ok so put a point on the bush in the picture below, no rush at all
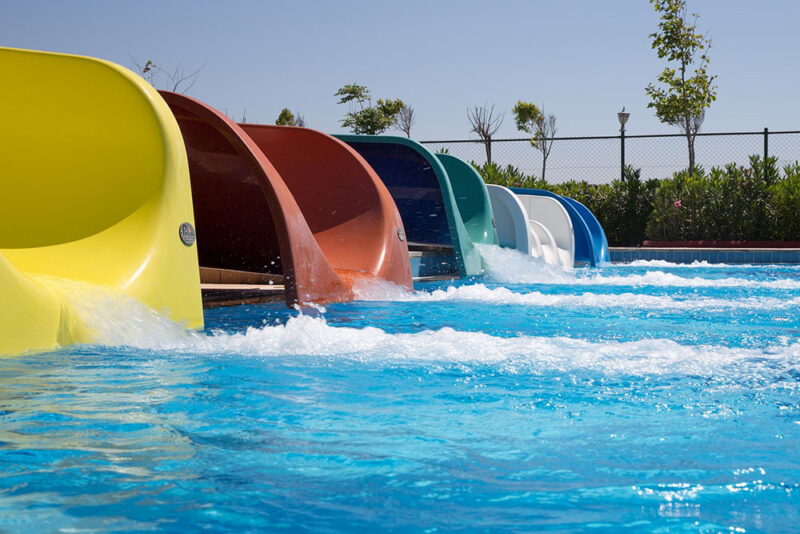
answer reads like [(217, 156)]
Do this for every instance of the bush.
[(784, 201), (731, 203), (508, 176), (630, 208)]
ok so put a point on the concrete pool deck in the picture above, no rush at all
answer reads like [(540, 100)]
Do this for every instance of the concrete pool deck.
[(708, 254)]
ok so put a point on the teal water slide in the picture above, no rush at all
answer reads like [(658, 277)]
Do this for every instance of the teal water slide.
[(472, 199), (442, 201)]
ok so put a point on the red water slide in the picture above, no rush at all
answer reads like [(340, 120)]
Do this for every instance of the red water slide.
[(279, 201)]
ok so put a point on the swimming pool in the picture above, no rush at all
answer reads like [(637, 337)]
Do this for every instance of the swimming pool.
[(648, 396)]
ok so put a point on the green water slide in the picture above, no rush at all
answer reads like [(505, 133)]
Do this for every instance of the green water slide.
[(421, 189), (472, 199)]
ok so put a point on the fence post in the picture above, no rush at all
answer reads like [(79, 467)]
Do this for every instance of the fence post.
[(766, 149), (622, 154)]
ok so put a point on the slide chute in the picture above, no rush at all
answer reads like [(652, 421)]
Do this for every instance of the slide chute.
[(95, 192), (288, 204), (419, 185)]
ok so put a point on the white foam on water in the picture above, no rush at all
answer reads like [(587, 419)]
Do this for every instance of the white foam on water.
[(510, 266), (705, 265), (313, 336), (116, 320), (507, 266), (375, 289), (662, 279), (122, 321), (504, 296), (105, 317), (669, 264)]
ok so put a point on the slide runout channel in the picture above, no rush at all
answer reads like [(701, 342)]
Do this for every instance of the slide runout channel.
[(550, 214), (518, 229), (585, 247)]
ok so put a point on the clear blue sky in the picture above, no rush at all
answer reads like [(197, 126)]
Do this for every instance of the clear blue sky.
[(582, 60)]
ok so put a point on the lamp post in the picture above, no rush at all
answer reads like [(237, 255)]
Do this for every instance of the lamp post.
[(623, 118)]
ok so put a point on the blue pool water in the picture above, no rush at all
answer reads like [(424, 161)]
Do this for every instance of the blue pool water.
[(642, 397)]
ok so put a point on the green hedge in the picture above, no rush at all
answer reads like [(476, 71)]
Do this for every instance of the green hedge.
[(757, 202)]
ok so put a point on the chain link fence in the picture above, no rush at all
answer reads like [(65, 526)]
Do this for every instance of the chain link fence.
[(599, 159)]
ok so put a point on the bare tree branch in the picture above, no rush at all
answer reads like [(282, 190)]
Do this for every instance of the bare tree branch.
[(485, 124), (178, 80), (546, 131), (405, 120), (148, 71), (483, 121), (179, 76)]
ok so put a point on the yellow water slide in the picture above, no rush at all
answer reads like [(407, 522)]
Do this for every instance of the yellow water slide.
[(94, 192)]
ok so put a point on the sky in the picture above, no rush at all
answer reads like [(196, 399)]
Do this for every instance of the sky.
[(580, 60)]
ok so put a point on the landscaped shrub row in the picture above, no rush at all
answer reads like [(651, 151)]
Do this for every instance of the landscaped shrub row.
[(733, 203)]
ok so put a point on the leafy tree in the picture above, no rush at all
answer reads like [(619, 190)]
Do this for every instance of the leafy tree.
[(529, 118), (363, 117), (485, 124), (683, 97), (287, 118)]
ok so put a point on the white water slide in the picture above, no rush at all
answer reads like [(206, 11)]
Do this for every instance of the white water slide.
[(535, 225)]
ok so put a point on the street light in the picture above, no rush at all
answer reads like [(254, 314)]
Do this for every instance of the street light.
[(623, 118)]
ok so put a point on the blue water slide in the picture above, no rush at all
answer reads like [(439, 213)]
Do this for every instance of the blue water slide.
[(599, 241), (591, 245)]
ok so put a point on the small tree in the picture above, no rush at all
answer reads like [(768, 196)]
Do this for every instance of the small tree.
[(363, 117), (682, 98), (405, 120), (485, 124), (542, 127), (287, 118)]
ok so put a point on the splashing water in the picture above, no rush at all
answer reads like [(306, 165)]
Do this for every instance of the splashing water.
[(116, 319), (503, 296), (103, 316), (374, 289), (662, 279), (507, 266), (706, 265), (314, 337)]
